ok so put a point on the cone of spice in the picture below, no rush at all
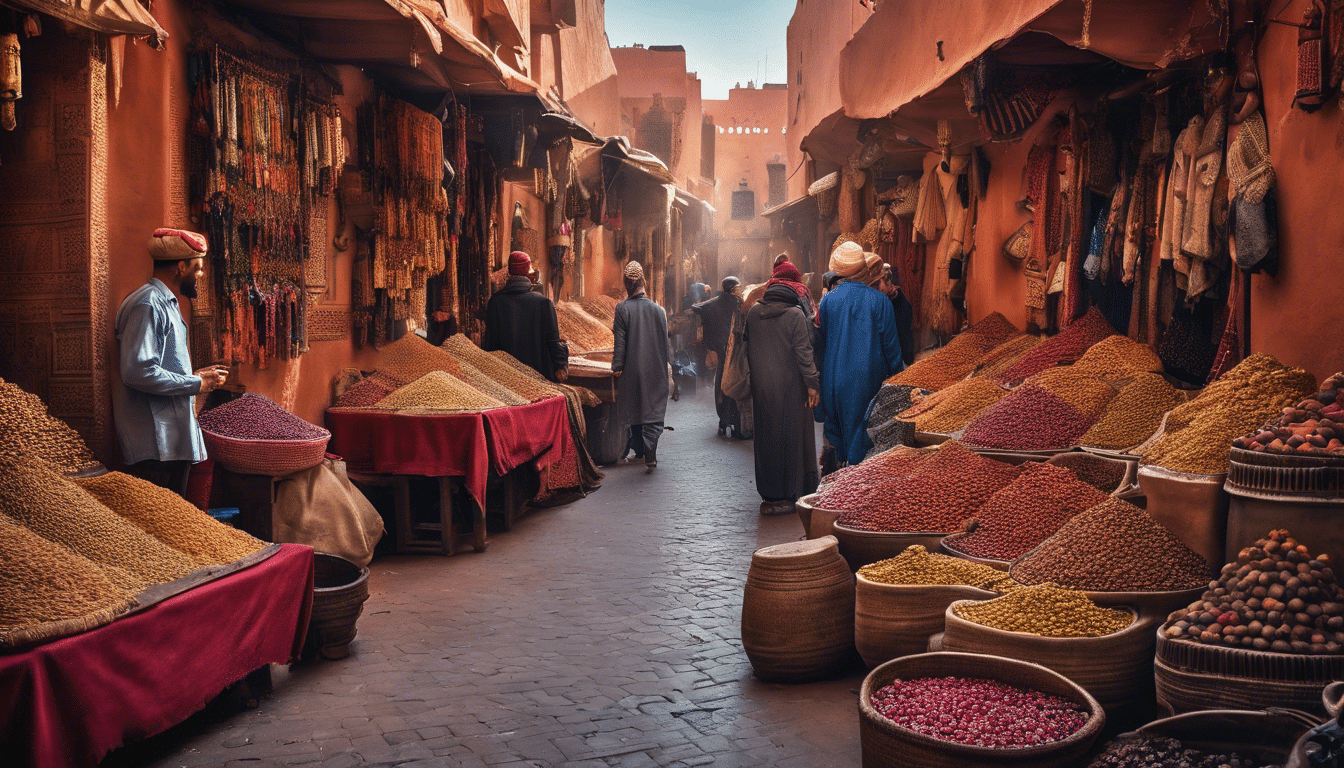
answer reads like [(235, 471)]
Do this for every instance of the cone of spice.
[(1118, 356), (1006, 355), (953, 408), (959, 357), (1025, 512), (438, 391), (1064, 347), (1047, 611), (1089, 393), (31, 432), (584, 332), (411, 357), (1030, 418), (916, 566), (1134, 414)]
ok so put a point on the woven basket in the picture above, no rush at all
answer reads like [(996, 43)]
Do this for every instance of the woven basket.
[(826, 190), (1123, 684), (276, 458), (893, 620), (886, 744), (1275, 474), (1193, 676), (859, 548), (817, 522), (1268, 736)]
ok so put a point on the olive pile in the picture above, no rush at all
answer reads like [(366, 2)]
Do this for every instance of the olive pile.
[(1316, 425), (1139, 751), (1275, 597)]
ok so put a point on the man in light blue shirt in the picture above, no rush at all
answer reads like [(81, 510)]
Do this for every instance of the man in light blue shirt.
[(154, 404)]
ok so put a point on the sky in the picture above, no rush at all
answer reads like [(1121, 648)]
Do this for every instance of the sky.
[(726, 41)]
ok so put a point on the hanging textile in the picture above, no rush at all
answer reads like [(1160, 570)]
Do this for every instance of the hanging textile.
[(1039, 181), (1198, 240), (1313, 60), (930, 215), (1182, 161), (1255, 229)]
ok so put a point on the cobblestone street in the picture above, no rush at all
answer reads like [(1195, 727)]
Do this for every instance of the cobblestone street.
[(605, 633)]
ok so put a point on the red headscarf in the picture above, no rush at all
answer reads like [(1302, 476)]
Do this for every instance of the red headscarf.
[(787, 274)]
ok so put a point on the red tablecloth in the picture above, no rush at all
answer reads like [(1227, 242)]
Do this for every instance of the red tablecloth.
[(522, 433), (73, 700)]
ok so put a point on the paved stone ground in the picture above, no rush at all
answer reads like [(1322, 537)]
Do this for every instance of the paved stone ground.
[(605, 633)]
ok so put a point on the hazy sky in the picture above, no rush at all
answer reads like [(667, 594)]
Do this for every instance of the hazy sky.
[(726, 41)]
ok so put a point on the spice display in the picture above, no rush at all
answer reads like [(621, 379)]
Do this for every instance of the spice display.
[(439, 391), (411, 357), (959, 358), (1028, 419), (363, 394), (29, 431), (889, 402), (1134, 750), (1068, 345), (1103, 474), (1113, 547), (60, 511), (584, 332), (856, 478), (979, 712), (601, 307), (1315, 425), (1026, 512), (1118, 356), (953, 408), (1006, 355), (1275, 597), (1087, 392), (1134, 414), (917, 567), (474, 377), (171, 519), (41, 582), (1046, 610), (257, 417), (585, 396), (529, 388), (937, 496), (1199, 433)]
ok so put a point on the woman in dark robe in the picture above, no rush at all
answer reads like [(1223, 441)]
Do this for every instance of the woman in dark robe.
[(785, 387)]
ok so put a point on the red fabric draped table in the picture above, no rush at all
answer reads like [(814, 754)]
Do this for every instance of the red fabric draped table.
[(71, 701)]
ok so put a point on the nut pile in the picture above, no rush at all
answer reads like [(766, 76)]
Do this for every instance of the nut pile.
[(1066, 346), (979, 712), (1275, 597), (937, 496), (41, 581), (528, 387), (1140, 751), (1101, 473), (1117, 356), (1047, 611), (1028, 419), (411, 357), (171, 519), (953, 408), (1134, 414), (1113, 547), (30, 432), (482, 383), (601, 307), (1315, 425), (959, 358), (1084, 391), (1026, 512), (363, 394), (917, 567), (1200, 432), (584, 332), (439, 391), (1006, 355), (60, 511), (257, 417)]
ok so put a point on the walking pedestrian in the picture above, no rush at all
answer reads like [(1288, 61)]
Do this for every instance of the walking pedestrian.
[(523, 323), (641, 364), (858, 347), (786, 274), (716, 316), (785, 387)]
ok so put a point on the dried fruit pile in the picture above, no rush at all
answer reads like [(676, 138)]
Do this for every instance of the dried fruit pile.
[(1275, 597), (1028, 419), (257, 417), (1006, 355), (1066, 346), (30, 431), (482, 383), (953, 408), (960, 357), (1047, 611), (916, 567), (1113, 547), (1134, 414), (937, 496), (979, 712), (1134, 750), (1316, 425), (1025, 512), (1103, 474), (171, 519), (1088, 393), (411, 357), (1117, 356), (584, 332), (1199, 433), (363, 394), (530, 388), (439, 391)]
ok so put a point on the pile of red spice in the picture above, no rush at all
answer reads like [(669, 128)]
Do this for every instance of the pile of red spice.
[(1028, 419), (1026, 512), (1068, 345), (256, 417)]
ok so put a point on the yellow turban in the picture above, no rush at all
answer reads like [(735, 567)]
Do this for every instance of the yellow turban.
[(167, 244)]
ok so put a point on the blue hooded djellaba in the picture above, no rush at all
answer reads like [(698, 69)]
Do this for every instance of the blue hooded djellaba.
[(859, 348)]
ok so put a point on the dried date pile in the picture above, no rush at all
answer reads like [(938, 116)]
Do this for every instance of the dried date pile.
[(1025, 512), (1140, 751), (960, 357), (937, 496), (1066, 346), (1113, 547), (1275, 597), (257, 417), (979, 712), (1315, 425), (1030, 418)]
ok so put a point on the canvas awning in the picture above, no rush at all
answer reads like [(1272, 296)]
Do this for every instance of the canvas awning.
[(909, 48), (113, 17), (805, 205)]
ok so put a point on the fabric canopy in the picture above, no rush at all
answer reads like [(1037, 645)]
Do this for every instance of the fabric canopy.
[(911, 47), (113, 17)]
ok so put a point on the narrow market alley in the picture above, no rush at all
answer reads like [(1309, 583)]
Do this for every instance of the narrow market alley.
[(604, 633)]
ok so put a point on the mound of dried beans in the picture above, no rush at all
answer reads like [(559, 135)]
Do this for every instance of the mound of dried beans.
[(257, 417), (979, 712), (1030, 418), (1026, 512)]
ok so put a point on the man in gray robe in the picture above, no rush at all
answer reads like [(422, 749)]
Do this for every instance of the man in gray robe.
[(641, 364), (785, 387)]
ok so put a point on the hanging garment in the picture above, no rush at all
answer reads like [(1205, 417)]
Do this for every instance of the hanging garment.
[(930, 215), (1255, 221), (1040, 167), (943, 315), (1182, 160), (1198, 240)]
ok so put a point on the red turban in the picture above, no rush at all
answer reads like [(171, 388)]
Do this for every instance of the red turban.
[(519, 263)]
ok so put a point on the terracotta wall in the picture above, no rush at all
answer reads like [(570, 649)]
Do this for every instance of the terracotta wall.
[(587, 70), (643, 72)]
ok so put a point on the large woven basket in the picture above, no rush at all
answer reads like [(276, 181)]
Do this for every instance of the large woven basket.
[(893, 620), (859, 548), (1268, 736), (276, 458), (886, 744), (1193, 676)]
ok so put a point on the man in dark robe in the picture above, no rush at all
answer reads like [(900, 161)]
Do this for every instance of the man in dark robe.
[(716, 316), (523, 323), (785, 387), (785, 273), (641, 363)]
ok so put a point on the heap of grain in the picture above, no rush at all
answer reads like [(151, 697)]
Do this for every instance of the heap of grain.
[(482, 383), (1047, 611), (31, 432), (530, 388), (363, 394), (916, 566), (1199, 433), (1006, 355), (1025, 512), (1067, 346), (601, 307), (1087, 392), (1118, 356), (171, 519), (1134, 414), (1030, 418), (584, 332), (438, 392), (411, 357), (959, 358), (584, 395), (953, 408), (1099, 472), (1314, 426)]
